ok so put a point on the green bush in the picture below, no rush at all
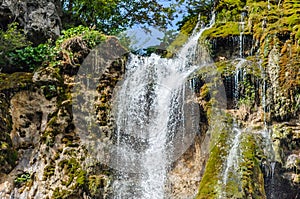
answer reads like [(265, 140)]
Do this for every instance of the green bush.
[(90, 36), (12, 43), (30, 58), (10, 40)]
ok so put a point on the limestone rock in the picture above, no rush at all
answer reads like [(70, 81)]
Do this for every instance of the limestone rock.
[(40, 19)]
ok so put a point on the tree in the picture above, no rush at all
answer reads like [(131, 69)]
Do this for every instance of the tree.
[(113, 16), (194, 8), (10, 40)]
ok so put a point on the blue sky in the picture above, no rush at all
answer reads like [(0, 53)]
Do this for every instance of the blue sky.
[(143, 39)]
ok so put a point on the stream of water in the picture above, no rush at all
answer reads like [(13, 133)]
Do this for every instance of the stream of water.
[(154, 121), (233, 159)]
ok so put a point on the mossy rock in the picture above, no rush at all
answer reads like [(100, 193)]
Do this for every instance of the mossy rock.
[(182, 37), (74, 171), (209, 185), (97, 185), (15, 81), (8, 155), (252, 176)]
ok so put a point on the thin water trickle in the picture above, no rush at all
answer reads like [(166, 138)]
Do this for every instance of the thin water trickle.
[(238, 78), (152, 124), (266, 132), (233, 158), (241, 39)]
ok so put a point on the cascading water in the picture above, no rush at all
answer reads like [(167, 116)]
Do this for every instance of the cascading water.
[(238, 69), (234, 155), (238, 78), (241, 39), (154, 121), (233, 160), (266, 134)]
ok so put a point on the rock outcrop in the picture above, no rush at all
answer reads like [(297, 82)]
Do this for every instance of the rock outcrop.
[(40, 19), (255, 48), (43, 154)]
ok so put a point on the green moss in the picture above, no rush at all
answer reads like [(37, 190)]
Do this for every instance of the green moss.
[(49, 171), (74, 172), (222, 30), (60, 194), (252, 176), (96, 184), (182, 37), (15, 81), (248, 181), (48, 137), (8, 154), (209, 185)]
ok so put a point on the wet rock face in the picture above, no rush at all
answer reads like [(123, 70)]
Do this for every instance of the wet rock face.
[(185, 176), (40, 19), (286, 180)]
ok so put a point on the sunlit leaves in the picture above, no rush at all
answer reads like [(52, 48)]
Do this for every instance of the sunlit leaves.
[(114, 16)]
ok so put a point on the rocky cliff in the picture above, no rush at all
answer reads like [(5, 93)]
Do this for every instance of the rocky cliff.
[(255, 46), (42, 154)]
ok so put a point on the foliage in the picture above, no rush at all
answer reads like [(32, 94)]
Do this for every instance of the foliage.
[(113, 16), (182, 37), (90, 36), (10, 40), (30, 58), (202, 8)]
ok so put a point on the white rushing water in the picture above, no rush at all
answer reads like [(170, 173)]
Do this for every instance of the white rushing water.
[(153, 120)]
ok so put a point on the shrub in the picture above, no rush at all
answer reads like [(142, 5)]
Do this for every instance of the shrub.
[(10, 40), (30, 58), (90, 36)]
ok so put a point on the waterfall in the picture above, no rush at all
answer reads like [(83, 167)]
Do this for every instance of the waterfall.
[(241, 39), (155, 120), (238, 68), (232, 161), (238, 78), (266, 132), (263, 93), (234, 157)]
